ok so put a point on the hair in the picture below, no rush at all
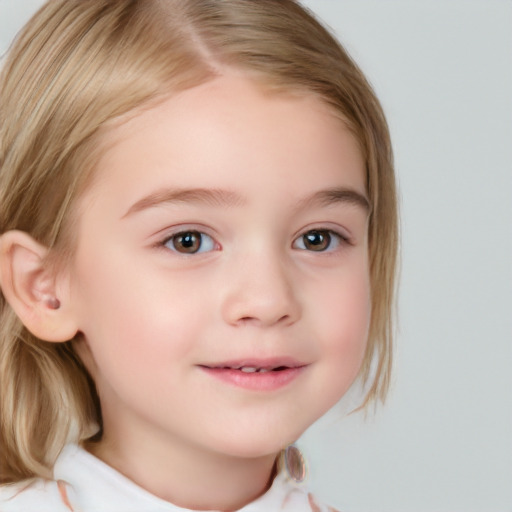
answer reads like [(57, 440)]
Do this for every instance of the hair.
[(75, 68)]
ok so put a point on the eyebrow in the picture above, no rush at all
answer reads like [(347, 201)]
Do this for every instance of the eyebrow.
[(212, 197), (336, 195), (229, 198)]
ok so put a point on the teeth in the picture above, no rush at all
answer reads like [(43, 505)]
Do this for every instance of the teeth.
[(252, 369)]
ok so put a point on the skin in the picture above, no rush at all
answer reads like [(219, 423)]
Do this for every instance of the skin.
[(153, 317)]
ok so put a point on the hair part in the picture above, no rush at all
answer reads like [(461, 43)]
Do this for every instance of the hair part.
[(76, 68)]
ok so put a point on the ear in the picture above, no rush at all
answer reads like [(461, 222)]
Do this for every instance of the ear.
[(38, 296)]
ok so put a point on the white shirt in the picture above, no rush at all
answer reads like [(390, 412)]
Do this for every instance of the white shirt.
[(83, 483)]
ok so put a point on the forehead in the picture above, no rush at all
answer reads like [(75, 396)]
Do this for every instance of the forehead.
[(230, 132)]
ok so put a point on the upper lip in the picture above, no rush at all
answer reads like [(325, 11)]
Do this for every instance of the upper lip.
[(266, 363)]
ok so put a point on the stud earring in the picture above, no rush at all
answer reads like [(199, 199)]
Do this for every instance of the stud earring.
[(52, 302)]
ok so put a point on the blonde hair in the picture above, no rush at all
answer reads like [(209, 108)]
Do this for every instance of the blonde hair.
[(80, 64)]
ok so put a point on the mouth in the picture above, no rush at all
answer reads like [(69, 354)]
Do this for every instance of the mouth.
[(260, 375), (275, 364), (250, 369)]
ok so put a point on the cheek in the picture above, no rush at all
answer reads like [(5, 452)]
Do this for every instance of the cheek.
[(129, 313), (343, 315), (127, 303)]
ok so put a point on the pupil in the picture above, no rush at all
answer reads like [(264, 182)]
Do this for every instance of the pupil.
[(188, 242), (317, 240)]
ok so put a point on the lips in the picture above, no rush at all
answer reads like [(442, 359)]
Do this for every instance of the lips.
[(252, 368), (260, 375), (258, 365)]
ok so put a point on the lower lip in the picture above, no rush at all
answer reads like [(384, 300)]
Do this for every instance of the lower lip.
[(256, 381)]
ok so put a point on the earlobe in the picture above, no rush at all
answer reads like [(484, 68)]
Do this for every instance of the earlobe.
[(33, 290)]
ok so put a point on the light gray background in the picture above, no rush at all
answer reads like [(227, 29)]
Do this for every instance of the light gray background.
[(443, 441)]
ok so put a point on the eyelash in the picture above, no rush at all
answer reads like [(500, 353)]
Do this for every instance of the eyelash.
[(325, 238)]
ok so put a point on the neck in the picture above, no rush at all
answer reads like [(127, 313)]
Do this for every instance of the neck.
[(189, 476)]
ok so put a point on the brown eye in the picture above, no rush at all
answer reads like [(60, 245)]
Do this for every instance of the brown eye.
[(190, 242), (316, 240), (319, 240)]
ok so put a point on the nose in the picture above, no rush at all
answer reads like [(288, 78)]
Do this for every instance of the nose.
[(259, 291)]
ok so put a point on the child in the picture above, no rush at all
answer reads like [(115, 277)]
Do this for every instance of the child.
[(198, 237)]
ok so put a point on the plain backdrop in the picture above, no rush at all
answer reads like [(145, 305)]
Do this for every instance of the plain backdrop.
[(443, 440)]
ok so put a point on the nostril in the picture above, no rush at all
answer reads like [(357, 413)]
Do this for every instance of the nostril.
[(246, 320), (252, 319), (284, 319)]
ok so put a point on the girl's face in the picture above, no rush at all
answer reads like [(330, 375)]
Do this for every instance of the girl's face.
[(221, 272)]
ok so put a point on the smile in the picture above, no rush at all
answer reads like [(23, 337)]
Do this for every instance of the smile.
[(256, 375), (253, 369)]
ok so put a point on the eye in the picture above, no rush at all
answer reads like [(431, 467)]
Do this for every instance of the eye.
[(318, 240), (190, 242)]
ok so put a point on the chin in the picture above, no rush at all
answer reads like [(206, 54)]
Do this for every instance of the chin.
[(258, 444)]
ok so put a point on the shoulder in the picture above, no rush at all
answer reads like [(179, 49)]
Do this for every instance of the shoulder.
[(37, 495)]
